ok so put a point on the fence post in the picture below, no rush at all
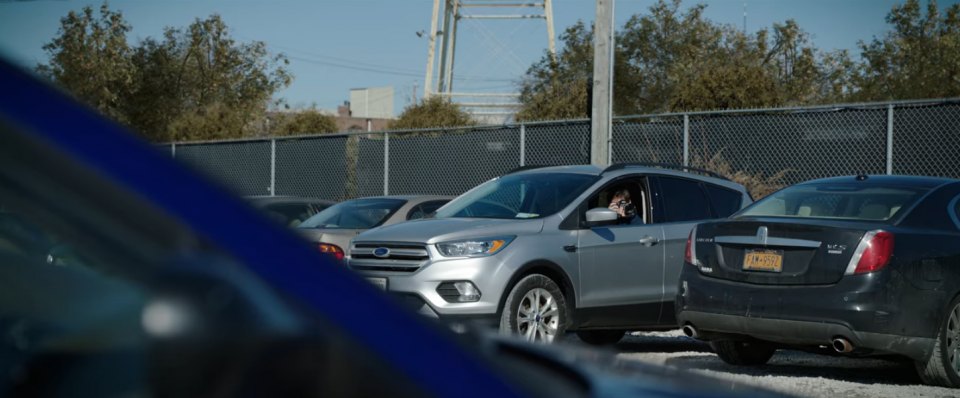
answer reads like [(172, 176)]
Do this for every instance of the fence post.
[(686, 139), (889, 139), (386, 164), (523, 144), (273, 167)]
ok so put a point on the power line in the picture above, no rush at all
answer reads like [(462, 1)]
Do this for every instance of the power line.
[(353, 64), (373, 69)]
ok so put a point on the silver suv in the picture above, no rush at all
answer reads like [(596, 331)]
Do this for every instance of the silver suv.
[(541, 251)]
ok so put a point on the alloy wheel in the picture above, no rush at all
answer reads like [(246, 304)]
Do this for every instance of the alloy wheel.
[(953, 339), (538, 316)]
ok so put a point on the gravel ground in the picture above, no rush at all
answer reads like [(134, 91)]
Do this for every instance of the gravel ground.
[(791, 372)]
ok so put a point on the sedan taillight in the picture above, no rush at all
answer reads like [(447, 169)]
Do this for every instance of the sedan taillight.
[(690, 253), (331, 250), (872, 254)]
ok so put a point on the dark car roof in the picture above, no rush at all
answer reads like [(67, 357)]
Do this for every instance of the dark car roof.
[(881, 180)]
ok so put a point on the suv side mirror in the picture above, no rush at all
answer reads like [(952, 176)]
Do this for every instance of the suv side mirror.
[(601, 216)]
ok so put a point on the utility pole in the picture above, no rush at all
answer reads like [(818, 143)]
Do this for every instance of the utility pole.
[(427, 89), (744, 17), (551, 36), (602, 112)]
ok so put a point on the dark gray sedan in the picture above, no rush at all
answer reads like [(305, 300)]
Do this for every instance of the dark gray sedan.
[(867, 265)]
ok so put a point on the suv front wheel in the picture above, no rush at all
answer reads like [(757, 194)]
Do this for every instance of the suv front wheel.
[(535, 309)]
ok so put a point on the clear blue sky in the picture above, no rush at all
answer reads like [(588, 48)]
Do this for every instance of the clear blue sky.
[(336, 45)]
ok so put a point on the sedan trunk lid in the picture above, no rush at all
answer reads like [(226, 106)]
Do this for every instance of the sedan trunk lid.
[(772, 251)]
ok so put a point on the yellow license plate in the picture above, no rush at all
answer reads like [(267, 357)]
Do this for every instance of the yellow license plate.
[(763, 260)]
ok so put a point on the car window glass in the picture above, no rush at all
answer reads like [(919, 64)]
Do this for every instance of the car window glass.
[(291, 214), (355, 214), (425, 209), (77, 257), (725, 201), (519, 196), (102, 295), (831, 200), (683, 200), (416, 212), (432, 206)]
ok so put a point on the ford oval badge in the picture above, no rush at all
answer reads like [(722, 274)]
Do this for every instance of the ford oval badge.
[(381, 252)]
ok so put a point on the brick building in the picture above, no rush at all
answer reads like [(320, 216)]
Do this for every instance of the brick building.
[(347, 122)]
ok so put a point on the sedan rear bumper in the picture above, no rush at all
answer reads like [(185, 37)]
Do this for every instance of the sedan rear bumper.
[(804, 333), (867, 310)]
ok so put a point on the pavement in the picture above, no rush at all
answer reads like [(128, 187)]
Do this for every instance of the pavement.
[(794, 373)]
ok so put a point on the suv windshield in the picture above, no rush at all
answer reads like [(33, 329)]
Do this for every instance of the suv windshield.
[(354, 214), (525, 195), (843, 201)]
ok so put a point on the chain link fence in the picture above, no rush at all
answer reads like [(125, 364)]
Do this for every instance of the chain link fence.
[(916, 137)]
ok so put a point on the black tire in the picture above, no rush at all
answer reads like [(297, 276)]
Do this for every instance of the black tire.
[(744, 353), (520, 317), (938, 369), (601, 337)]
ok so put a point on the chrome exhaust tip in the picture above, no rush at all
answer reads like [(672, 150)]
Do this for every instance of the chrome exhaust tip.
[(842, 345), (690, 331)]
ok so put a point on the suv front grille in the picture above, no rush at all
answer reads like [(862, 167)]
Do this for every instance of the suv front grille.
[(398, 257)]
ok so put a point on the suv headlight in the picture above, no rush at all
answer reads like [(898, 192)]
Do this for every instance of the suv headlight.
[(474, 247)]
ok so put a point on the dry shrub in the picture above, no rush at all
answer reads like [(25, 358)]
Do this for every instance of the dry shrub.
[(757, 184)]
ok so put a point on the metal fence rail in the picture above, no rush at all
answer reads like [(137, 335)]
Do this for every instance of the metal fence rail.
[(906, 137)]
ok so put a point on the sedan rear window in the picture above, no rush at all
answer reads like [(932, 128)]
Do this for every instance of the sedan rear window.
[(841, 201), (355, 214)]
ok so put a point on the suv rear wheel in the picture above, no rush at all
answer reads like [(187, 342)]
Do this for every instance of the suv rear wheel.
[(747, 353), (535, 309), (601, 337)]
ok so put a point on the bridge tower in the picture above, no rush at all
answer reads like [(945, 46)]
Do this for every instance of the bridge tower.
[(486, 106)]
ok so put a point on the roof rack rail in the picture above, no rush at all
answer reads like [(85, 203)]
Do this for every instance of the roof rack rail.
[(524, 168), (619, 166)]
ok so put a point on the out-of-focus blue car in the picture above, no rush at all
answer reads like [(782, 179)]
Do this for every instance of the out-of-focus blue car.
[(122, 274)]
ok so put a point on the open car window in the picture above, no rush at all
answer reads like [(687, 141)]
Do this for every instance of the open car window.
[(635, 204)]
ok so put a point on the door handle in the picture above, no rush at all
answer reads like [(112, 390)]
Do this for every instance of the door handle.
[(570, 248), (648, 240)]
